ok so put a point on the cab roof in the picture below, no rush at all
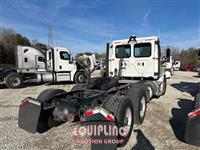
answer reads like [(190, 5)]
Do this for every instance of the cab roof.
[(139, 39)]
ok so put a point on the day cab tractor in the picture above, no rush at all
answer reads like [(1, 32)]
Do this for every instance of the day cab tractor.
[(133, 76)]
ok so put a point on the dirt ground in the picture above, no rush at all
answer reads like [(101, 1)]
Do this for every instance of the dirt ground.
[(163, 127)]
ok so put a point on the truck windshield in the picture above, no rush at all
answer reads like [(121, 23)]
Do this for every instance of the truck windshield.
[(123, 51)]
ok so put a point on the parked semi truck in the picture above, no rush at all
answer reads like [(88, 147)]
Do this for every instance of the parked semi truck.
[(177, 65), (133, 76), (54, 65), (168, 64)]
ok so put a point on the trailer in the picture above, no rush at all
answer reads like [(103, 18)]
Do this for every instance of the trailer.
[(133, 76), (54, 65)]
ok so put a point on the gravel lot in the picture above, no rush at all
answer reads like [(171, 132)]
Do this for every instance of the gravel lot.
[(163, 127)]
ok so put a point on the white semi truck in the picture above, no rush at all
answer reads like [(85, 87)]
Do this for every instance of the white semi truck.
[(54, 65), (168, 64), (133, 76), (177, 65)]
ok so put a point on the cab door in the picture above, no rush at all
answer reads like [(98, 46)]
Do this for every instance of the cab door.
[(49, 60), (62, 61), (40, 63)]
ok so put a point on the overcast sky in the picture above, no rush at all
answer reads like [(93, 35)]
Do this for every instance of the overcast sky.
[(88, 24)]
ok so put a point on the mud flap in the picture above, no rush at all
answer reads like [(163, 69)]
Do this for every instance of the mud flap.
[(98, 119), (29, 114), (192, 131)]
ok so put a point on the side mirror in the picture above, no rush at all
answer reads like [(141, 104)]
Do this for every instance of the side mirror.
[(168, 53), (71, 59), (198, 54), (198, 51)]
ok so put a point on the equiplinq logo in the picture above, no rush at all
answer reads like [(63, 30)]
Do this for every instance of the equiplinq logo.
[(96, 130), (108, 128)]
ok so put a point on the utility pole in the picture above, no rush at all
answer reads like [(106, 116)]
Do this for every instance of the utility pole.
[(1, 16), (50, 39)]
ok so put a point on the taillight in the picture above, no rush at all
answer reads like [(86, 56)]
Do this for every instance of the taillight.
[(194, 114), (23, 103), (89, 113), (71, 117), (110, 117)]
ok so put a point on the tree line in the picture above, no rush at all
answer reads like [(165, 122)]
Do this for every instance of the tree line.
[(187, 57), (9, 40)]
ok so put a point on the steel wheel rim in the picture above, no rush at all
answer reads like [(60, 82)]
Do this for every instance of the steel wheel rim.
[(81, 78), (129, 118), (14, 81), (142, 107)]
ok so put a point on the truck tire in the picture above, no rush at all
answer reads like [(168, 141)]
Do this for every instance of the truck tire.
[(78, 87), (197, 101), (46, 117), (143, 87), (80, 77), (153, 87), (123, 110), (139, 100), (14, 80)]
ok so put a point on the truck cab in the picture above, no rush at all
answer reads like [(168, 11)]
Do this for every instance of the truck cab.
[(60, 61), (137, 58)]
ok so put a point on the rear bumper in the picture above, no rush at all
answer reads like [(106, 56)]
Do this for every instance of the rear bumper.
[(192, 131)]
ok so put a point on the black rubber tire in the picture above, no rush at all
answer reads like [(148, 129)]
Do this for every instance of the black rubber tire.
[(81, 77), (152, 86), (49, 94), (78, 87), (164, 85), (10, 80), (143, 87), (136, 94), (46, 117), (118, 106), (197, 101)]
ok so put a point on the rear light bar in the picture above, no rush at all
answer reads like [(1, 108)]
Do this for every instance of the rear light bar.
[(194, 113), (102, 111), (71, 117), (23, 103), (110, 117), (89, 113)]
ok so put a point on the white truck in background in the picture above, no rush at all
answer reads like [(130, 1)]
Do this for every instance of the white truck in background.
[(168, 64), (177, 65), (54, 65)]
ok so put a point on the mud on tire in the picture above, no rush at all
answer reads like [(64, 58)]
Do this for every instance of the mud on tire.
[(139, 100)]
